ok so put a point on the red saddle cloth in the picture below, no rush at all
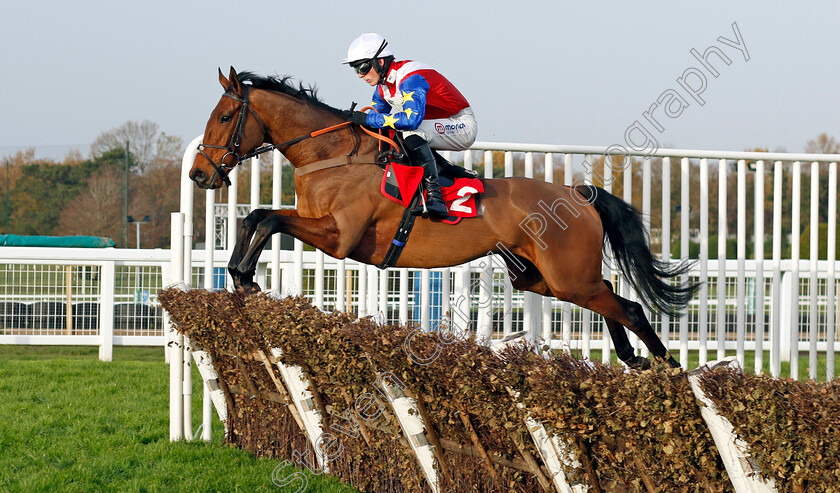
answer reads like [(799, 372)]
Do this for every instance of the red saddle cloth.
[(400, 183)]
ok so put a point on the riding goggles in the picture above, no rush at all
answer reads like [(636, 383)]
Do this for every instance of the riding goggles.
[(363, 67)]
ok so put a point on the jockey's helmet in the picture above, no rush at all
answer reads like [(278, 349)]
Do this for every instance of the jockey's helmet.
[(365, 49)]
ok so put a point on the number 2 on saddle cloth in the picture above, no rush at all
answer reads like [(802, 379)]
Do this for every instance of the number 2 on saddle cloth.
[(461, 195)]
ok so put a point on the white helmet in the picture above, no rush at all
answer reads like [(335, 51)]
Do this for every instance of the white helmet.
[(367, 46)]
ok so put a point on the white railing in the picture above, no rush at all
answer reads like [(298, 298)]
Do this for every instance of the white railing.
[(82, 296)]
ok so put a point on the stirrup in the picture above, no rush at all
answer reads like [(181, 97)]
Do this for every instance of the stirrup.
[(426, 211)]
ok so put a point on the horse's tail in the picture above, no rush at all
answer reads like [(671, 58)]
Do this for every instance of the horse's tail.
[(648, 275)]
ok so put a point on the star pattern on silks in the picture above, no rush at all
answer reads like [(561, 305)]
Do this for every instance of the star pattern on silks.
[(407, 96), (390, 121), (408, 112)]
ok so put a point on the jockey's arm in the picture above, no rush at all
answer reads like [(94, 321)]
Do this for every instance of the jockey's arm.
[(379, 104), (413, 90)]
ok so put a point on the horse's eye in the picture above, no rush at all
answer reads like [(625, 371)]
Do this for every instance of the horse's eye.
[(224, 118)]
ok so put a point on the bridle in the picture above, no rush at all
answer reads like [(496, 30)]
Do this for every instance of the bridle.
[(232, 148)]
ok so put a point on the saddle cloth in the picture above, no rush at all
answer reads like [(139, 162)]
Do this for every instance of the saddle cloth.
[(461, 195)]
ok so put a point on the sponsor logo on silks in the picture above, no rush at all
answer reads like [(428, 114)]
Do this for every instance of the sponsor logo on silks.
[(450, 128)]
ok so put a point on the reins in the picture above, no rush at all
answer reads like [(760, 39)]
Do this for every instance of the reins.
[(271, 147), (343, 160), (316, 133), (236, 139)]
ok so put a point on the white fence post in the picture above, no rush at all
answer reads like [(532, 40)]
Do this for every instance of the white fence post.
[(685, 234), (830, 288), (186, 387), (740, 288), (176, 350), (720, 332), (106, 312), (787, 306), (703, 311), (776, 313), (814, 308), (758, 212), (793, 339)]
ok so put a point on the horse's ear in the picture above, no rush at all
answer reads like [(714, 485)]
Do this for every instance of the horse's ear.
[(223, 80), (234, 82)]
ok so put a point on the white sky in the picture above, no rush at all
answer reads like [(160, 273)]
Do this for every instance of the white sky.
[(538, 72)]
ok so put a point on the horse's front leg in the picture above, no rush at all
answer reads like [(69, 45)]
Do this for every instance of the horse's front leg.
[(322, 233), (244, 280)]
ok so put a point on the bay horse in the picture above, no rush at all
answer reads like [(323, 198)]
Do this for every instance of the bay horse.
[(341, 211)]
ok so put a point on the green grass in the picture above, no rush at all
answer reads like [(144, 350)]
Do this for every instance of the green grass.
[(74, 423)]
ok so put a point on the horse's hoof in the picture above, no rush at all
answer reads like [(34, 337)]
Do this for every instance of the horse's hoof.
[(249, 288), (638, 363)]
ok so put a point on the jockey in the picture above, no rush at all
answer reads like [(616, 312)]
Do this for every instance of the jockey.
[(414, 99)]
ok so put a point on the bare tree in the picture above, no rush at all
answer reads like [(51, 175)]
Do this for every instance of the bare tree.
[(73, 156), (148, 146), (823, 144), (157, 193), (169, 148), (95, 211)]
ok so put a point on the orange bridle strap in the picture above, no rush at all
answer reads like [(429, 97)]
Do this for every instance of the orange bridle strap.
[(316, 133)]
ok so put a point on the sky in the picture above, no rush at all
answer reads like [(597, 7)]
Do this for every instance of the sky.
[(544, 72)]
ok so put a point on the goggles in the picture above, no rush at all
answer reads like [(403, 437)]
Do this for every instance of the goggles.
[(363, 68)]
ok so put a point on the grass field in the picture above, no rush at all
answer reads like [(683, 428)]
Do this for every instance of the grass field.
[(74, 423)]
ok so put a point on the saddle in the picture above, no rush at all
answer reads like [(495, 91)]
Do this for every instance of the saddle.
[(460, 187), (401, 182), (445, 168)]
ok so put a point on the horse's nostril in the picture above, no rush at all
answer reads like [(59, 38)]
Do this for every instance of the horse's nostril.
[(197, 175)]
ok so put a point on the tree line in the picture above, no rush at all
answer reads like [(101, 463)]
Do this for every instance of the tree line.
[(132, 170)]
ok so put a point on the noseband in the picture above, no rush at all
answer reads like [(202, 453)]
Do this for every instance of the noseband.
[(232, 148)]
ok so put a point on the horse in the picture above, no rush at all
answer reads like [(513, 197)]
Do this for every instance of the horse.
[(341, 211)]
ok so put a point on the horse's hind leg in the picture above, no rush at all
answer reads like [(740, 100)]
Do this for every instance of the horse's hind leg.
[(525, 276), (623, 348), (618, 312)]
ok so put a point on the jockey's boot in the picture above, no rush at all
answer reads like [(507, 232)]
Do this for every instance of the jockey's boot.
[(421, 154)]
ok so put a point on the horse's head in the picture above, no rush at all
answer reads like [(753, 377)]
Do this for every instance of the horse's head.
[(232, 131)]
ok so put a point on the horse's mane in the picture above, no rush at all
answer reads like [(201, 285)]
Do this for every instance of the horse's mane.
[(283, 84)]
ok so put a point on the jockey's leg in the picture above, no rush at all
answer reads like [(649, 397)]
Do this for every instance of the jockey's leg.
[(421, 154)]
